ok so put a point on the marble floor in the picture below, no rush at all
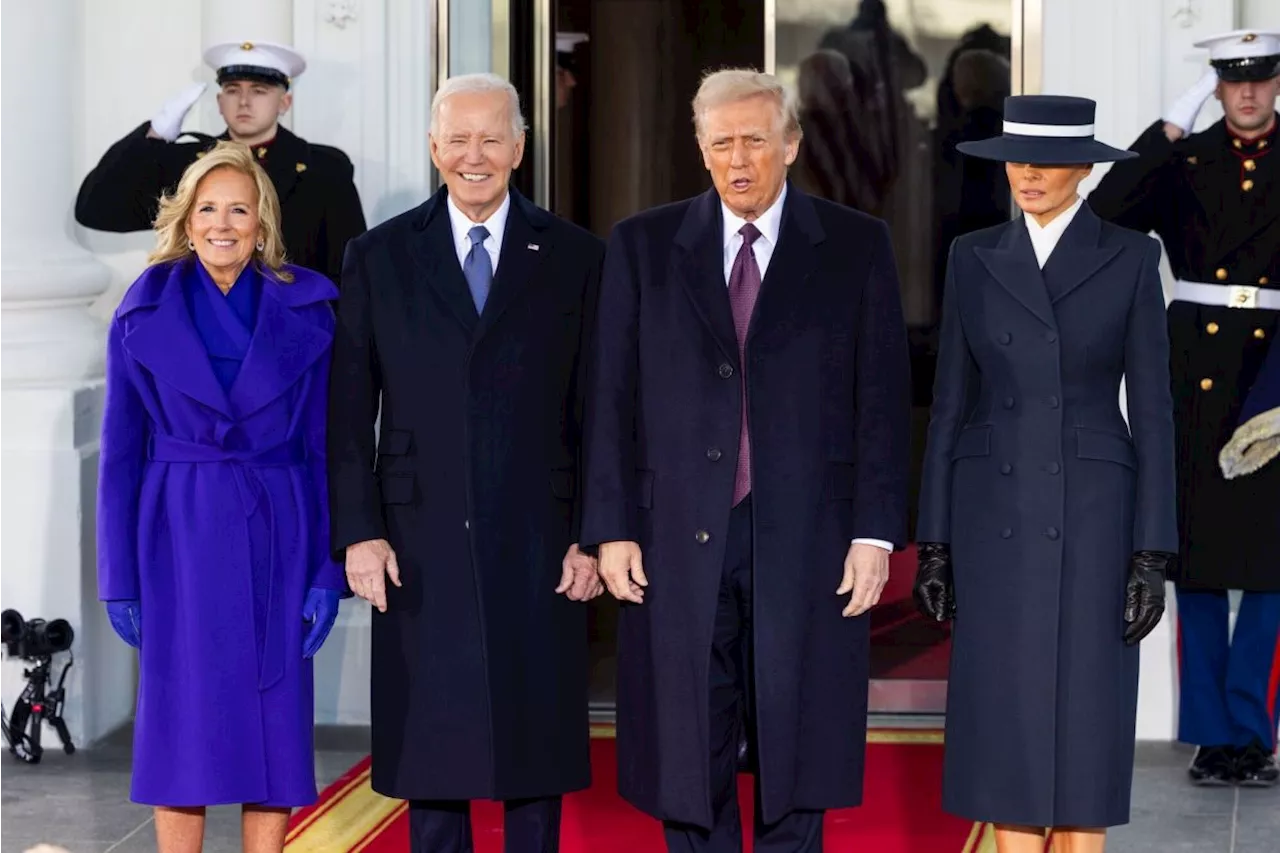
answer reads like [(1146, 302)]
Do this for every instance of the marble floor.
[(80, 802)]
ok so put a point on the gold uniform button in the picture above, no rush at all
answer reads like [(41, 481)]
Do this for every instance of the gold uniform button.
[(1237, 143), (1246, 186), (1221, 274), (1262, 143), (1264, 280), (1212, 328), (1206, 384), (1249, 165), (1260, 334)]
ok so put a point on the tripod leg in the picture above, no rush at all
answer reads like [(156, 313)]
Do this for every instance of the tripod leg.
[(63, 734)]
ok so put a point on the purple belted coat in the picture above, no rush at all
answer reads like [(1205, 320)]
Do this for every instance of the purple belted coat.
[(212, 511)]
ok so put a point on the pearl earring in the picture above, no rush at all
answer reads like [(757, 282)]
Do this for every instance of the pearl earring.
[(261, 245), (191, 246)]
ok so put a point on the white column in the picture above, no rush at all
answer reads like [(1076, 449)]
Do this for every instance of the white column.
[(51, 353)]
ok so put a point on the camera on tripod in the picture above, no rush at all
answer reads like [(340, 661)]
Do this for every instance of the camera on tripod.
[(36, 641)]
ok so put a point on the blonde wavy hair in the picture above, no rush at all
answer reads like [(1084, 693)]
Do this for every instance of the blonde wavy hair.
[(172, 242)]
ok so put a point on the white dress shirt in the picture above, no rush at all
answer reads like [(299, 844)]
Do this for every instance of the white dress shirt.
[(1045, 239), (462, 225), (768, 224)]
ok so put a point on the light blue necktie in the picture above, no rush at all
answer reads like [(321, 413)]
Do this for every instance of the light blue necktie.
[(478, 268)]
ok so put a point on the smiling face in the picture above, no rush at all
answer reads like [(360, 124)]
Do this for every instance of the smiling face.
[(1250, 106), (1045, 191), (251, 109), (747, 151), (475, 149), (223, 223)]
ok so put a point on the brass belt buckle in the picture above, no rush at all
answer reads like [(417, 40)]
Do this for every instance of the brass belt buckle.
[(1242, 296)]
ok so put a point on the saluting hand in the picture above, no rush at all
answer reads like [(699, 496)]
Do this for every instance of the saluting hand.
[(366, 563), (622, 570), (866, 571), (579, 576)]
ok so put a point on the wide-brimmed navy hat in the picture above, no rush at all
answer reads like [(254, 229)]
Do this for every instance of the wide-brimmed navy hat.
[(1046, 129)]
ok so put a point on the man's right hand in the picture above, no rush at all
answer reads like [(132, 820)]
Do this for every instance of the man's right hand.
[(1180, 118), (167, 123), (622, 571), (366, 563)]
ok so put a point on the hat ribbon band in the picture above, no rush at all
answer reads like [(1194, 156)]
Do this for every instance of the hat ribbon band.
[(1055, 130)]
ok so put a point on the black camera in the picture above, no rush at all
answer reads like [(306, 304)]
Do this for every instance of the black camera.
[(36, 638), (36, 641)]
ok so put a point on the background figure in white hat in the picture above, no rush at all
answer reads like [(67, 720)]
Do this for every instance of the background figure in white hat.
[(320, 206), (1214, 199)]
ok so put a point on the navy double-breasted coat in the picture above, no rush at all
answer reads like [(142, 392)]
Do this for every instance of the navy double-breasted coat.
[(828, 399), (1044, 492)]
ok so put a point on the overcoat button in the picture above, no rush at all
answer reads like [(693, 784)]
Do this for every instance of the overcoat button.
[(713, 454), (1052, 533), (1053, 402), (1051, 337), (1008, 402), (1006, 338), (1006, 533), (702, 536), (1212, 328), (1054, 467), (1006, 468), (1206, 384), (1221, 274), (726, 370)]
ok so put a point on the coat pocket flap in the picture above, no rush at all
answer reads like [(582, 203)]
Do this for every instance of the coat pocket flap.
[(395, 442), (1105, 447), (396, 488), (644, 489), (842, 481), (974, 441), (564, 483)]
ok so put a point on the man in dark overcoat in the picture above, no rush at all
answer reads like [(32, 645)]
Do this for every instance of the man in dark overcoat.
[(746, 465), (1214, 199), (320, 208), (466, 317)]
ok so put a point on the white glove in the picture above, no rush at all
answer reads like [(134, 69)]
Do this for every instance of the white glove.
[(1184, 110), (167, 124)]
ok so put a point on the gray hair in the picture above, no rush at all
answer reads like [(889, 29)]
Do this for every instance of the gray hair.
[(737, 84), (476, 83)]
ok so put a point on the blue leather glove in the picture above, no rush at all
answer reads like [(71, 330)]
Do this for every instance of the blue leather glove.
[(126, 620), (320, 609)]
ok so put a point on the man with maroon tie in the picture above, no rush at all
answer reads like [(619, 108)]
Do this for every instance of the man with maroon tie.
[(746, 478)]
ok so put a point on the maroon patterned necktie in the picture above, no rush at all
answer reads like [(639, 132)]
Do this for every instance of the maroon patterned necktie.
[(744, 287)]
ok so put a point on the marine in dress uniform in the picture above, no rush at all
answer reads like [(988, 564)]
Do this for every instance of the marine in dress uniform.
[(1046, 521), (1214, 199), (320, 207)]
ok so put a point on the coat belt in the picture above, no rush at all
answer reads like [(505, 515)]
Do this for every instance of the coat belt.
[(1226, 295), (165, 449)]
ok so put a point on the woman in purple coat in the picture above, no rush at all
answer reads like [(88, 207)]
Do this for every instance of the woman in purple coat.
[(212, 516)]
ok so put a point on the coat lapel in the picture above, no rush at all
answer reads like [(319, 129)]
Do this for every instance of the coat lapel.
[(1013, 264), (1077, 257), (285, 345), (166, 343), (436, 255), (518, 263), (794, 259), (698, 262)]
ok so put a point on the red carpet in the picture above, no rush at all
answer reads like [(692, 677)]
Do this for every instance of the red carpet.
[(901, 811), (904, 644)]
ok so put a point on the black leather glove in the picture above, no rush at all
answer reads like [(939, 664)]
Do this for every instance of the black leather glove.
[(934, 591), (1144, 593)]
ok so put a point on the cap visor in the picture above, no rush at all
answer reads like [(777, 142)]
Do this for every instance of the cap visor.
[(1043, 150)]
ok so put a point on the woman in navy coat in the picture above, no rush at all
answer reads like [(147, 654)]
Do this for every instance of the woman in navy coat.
[(213, 541), (1046, 521)]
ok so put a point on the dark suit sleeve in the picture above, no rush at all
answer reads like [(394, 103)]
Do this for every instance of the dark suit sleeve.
[(955, 381), (343, 221), (1136, 193), (581, 375), (123, 191), (1150, 410), (882, 404), (326, 571), (609, 512), (355, 506)]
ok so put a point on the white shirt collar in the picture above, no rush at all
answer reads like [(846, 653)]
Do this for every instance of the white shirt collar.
[(1045, 239), (462, 225), (769, 223)]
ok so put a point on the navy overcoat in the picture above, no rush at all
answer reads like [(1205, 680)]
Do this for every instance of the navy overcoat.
[(479, 677), (829, 408), (1044, 492)]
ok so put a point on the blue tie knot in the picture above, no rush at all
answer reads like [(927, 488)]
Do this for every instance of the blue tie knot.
[(478, 235)]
